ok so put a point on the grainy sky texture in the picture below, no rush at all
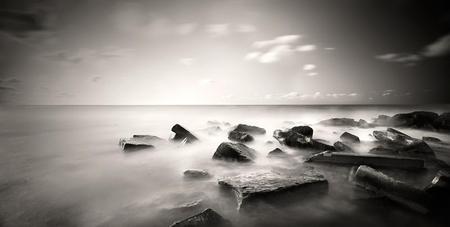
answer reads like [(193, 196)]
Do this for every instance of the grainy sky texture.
[(224, 52)]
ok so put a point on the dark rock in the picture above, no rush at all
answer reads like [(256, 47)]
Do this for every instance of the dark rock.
[(196, 173), (339, 146), (393, 189), (234, 152), (181, 134), (270, 187), (140, 142), (443, 122), (417, 149), (317, 145), (364, 124), (431, 139), (372, 160), (417, 119), (184, 207), (348, 137), (304, 130), (382, 120), (439, 189), (277, 152), (340, 122), (254, 130), (207, 218), (293, 138), (239, 136), (383, 151)]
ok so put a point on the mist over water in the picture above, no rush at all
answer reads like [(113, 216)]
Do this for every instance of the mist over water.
[(62, 166)]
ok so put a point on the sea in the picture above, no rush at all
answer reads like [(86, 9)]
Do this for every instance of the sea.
[(62, 166)]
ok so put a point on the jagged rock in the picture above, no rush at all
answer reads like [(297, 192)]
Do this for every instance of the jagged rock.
[(293, 138), (254, 130), (383, 151), (348, 137), (206, 218), (416, 119), (393, 189), (240, 136), (417, 149), (181, 134), (439, 189), (234, 152), (443, 122), (196, 173), (339, 146), (372, 160), (431, 139), (304, 130), (270, 187), (277, 152), (404, 144), (139, 142)]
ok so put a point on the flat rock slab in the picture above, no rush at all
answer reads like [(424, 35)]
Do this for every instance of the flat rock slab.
[(140, 142), (207, 218), (234, 152), (371, 160), (271, 187)]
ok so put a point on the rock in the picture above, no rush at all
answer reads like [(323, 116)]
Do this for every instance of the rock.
[(442, 122), (417, 149), (439, 189), (372, 160), (393, 189), (340, 122), (206, 218), (383, 151), (404, 144), (431, 139), (250, 129), (239, 136), (196, 173), (382, 120), (304, 130), (364, 124), (294, 138), (181, 134), (339, 146), (234, 152), (348, 137), (316, 145), (277, 152), (140, 142), (184, 207), (417, 119), (270, 187)]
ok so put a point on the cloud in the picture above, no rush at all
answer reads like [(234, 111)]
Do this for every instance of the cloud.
[(20, 23), (186, 29), (312, 74), (3, 88), (84, 54), (217, 30), (294, 95), (187, 61), (245, 28), (338, 95), (275, 54), (387, 92), (268, 96), (252, 55), (399, 58), (305, 48), (440, 47), (280, 40), (309, 67), (291, 95), (329, 48)]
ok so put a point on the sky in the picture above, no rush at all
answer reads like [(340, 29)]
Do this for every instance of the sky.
[(203, 52)]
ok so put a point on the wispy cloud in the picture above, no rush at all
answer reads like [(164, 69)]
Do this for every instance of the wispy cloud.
[(339, 95), (187, 61), (309, 67), (275, 54), (217, 30), (387, 92), (305, 48), (83, 54), (297, 95), (186, 28), (312, 74), (440, 47), (280, 40), (245, 28)]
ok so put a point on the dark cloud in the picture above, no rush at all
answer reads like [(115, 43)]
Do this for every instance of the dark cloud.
[(3, 88), (20, 23)]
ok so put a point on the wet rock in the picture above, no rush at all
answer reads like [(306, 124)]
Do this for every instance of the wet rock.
[(140, 142), (364, 124), (439, 189), (372, 160), (207, 218), (383, 151), (404, 144), (304, 130), (417, 149), (196, 174), (317, 145), (339, 146), (181, 134), (350, 138), (254, 130), (240, 136), (183, 208), (277, 152), (416, 119), (294, 138), (443, 122), (271, 187), (431, 139), (391, 188), (234, 152)]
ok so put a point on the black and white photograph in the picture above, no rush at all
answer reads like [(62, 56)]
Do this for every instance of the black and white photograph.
[(224, 113)]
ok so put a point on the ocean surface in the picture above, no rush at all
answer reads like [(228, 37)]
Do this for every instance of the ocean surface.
[(62, 166)]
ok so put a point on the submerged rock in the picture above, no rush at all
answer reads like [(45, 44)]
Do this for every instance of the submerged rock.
[(443, 122), (254, 130), (207, 218), (240, 136), (234, 152), (339, 146), (270, 187), (393, 189), (277, 152), (196, 173), (140, 142), (181, 134), (348, 137)]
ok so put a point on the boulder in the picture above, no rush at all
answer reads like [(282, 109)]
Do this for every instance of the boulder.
[(348, 137), (442, 122), (364, 124), (294, 138), (206, 218), (272, 187), (321, 146), (382, 120), (398, 191), (196, 174), (240, 136), (416, 119), (254, 130), (234, 152), (304, 130), (181, 134), (439, 189), (277, 152), (431, 139), (339, 146), (344, 158), (140, 142)]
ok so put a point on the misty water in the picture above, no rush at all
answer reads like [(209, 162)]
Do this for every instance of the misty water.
[(62, 166)]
